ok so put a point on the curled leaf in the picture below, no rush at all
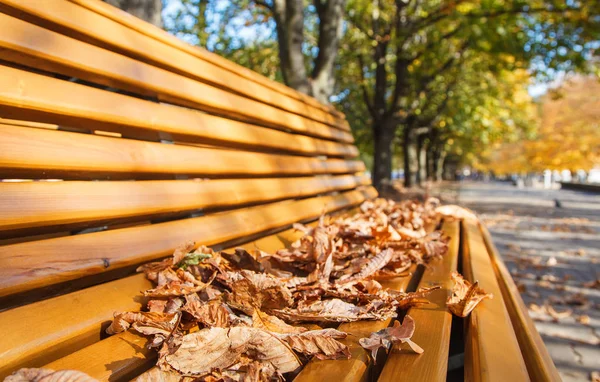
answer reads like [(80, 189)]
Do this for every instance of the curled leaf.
[(319, 343), (465, 296), (160, 321), (385, 338)]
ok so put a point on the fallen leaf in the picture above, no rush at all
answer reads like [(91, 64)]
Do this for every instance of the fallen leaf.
[(319, 343), (160, 321), (270, 323), (48, 375), (220, 348), (465, 296), (385, 338)]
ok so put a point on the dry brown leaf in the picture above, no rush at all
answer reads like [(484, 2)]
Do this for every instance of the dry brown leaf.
[(220, 348), (212, 313), (48, 375), (252, 290), (465, 296), (181, 251), (262, 320), (319, 343), (159, 321), (334, 310), (374, 264), (399, 333)]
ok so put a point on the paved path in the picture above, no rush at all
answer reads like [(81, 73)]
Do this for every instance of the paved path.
[(553, 254)]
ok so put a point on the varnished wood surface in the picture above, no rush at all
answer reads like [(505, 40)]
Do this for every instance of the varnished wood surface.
[(33, 46), (36, 204), (537, 359), (433, 323), (73, 321), (81, 23), (160, 35), (41, 332), (492, 352), (46, 153), (30, 96), (360, 365), (31, 265)]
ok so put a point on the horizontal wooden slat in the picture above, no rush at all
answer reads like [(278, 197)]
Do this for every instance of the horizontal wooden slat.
[(26, 95), (47, 153), (492, 352), (433, 322), (35, 204), (72, 322), (160, 35), (31, 45), (81, 23), (359, 366), (117, 358), (537, 359), (31, 265)]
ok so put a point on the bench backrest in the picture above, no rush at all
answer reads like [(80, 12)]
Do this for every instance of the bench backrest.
[(118, 142)]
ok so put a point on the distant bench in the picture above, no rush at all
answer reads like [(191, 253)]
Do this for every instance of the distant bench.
[(580, 186)]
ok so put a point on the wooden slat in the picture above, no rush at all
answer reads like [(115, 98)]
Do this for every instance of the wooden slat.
[(72, 322), (492, 352), (537, 359), (26, 95), (359, 366), (81, 23), (31, 45), (69, 323), (46, 153), (433, 322), (160, 35), (36, 204), (38, 264)]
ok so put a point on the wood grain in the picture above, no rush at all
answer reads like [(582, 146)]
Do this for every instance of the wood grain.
[(33, 46), (30, 96), (82, 23), (160, 35), (59, 204), (492, 352), (537, 359), (43, 153), (433, 322), (359, 366), (31, 265), (76, 320)]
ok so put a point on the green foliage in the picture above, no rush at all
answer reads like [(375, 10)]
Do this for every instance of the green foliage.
[(460, 68)]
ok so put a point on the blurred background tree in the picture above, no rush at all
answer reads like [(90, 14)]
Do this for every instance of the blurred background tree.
[(424, 84)]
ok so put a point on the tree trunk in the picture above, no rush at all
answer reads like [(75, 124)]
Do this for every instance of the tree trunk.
[(147, 10), (440, 163), (289, 21), (421, 160), (431, 153), (383, 137), (331, 14), (410, 157)]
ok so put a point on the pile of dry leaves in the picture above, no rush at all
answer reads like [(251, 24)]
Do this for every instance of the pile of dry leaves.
[(230, 316)]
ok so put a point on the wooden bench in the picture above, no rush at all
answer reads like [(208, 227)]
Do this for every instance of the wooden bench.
[(123, 142)]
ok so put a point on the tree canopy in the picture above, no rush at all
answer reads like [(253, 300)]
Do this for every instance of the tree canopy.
[(420, 81)]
